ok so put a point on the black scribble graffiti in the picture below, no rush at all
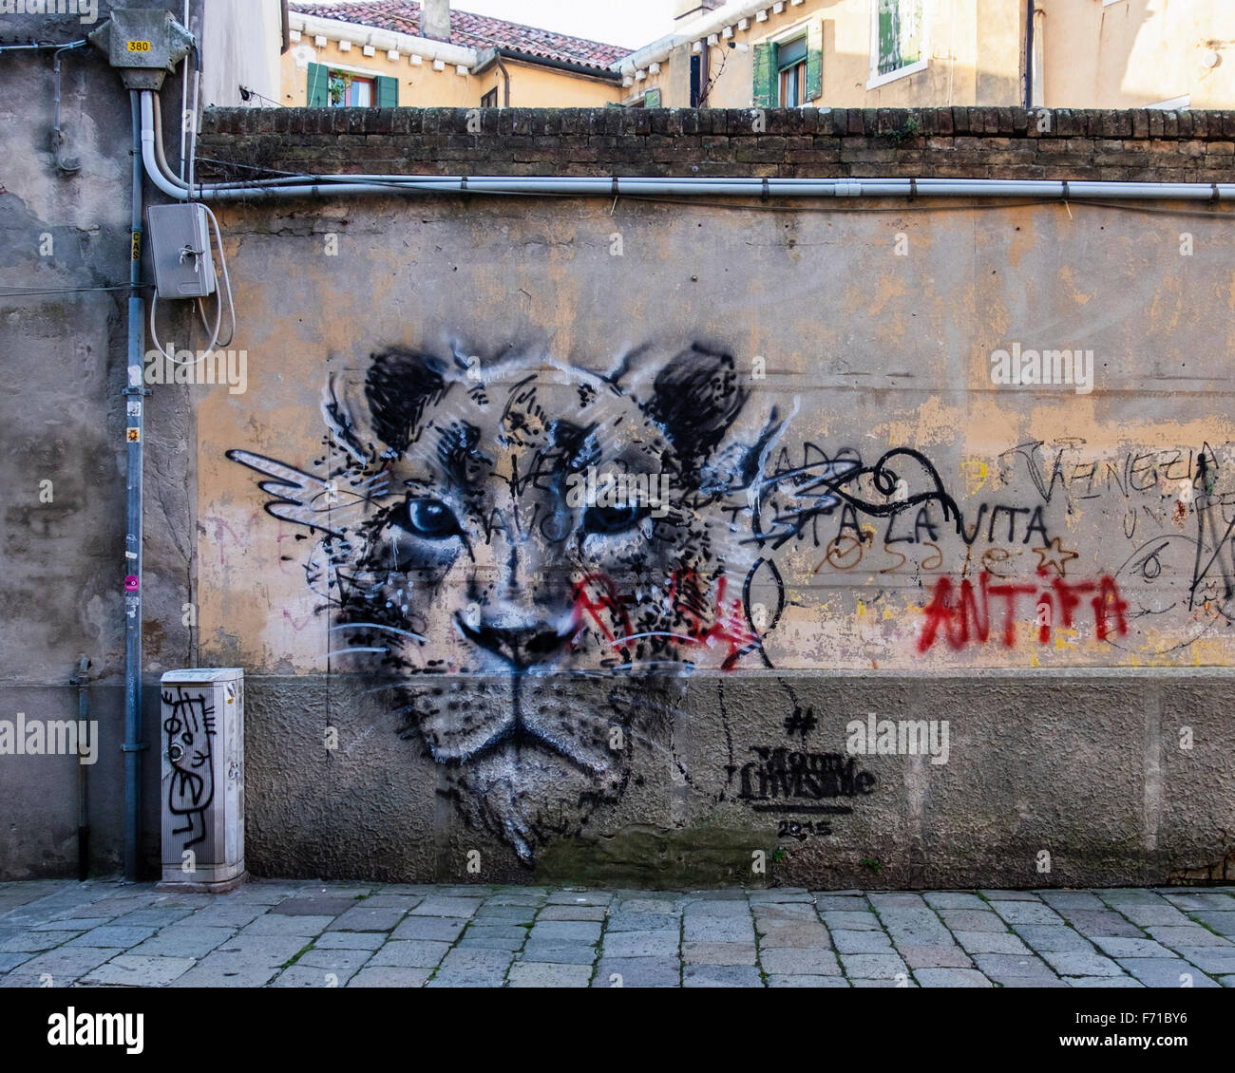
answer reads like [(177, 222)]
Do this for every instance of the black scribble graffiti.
[(901, 482), (190, 747)]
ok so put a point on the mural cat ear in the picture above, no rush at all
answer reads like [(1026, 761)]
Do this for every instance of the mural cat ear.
[(399, 385), (695, 398)]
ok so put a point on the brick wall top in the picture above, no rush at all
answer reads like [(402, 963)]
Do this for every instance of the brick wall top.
[(998, 143)]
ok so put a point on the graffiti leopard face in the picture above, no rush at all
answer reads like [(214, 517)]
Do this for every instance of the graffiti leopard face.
[(522, 527)]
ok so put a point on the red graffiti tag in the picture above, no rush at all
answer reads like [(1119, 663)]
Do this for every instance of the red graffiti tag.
[(608, 601), (699, 616), (967, 619), (694, 607)]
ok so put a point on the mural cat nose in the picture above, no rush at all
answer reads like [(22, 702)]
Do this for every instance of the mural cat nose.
[(520, 646)]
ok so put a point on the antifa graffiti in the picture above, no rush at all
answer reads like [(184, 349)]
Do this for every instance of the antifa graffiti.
[(963, 614)]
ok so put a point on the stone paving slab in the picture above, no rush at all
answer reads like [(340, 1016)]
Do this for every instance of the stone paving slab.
[(545, 974), (559, 953), (132, 970), (106, 933), (382, 976), (721, 976)]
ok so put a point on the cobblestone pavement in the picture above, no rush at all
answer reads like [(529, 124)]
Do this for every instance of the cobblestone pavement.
[(315, 934)]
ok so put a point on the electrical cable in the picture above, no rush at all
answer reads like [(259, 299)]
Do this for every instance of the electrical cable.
[(70, 290)]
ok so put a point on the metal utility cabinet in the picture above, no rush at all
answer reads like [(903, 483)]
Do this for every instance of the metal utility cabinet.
[(201, 739)]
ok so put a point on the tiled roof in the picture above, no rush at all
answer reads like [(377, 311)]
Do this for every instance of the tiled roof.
[(471, 31)]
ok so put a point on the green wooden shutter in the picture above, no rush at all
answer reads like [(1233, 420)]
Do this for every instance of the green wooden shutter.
[(889, 50), (651, 99), (765, 88), (319, 85), (814, 61), (387, 92), (900, 34)]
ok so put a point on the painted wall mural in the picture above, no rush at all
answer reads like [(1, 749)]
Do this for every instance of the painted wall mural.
[(483, 533)]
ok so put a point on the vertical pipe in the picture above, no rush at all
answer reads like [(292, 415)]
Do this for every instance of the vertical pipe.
[(83, 811), (134, 395), (1029, 50), (505, 77), (184, 101)]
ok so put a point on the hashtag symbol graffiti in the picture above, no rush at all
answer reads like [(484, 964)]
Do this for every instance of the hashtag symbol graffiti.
[(800, 722)]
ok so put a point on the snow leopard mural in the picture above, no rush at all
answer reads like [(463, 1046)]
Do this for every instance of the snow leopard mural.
[(490, 530)]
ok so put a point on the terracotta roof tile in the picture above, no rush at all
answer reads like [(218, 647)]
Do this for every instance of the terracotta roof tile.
[(471, 31)]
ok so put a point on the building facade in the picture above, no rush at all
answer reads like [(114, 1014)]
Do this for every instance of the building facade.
[(931, 53), (788, 53), (390, 53)]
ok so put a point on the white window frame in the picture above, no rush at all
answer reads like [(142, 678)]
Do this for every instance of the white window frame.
[(876, 79), (1108, 3), (1175, 104), (367, 74), (363, 72)]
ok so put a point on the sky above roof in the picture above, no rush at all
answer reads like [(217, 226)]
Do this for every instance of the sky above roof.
[(633, 23)]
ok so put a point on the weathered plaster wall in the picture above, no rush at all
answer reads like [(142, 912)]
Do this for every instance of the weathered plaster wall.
[(456, 671), (66, 238), (450, 658), (242, 40)]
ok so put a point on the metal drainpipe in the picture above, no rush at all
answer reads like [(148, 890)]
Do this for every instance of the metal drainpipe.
[(1029, 14), (83, 812), (134, 395), (57, 135), (497, 58)]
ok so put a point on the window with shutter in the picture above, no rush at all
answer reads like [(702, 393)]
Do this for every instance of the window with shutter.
[(791, 72)]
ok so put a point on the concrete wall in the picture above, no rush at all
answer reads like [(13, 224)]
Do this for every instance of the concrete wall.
[(241, 39), (894, 621), (864, 528), (65, 236)]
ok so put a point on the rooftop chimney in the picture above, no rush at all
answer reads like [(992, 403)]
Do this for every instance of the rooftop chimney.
[(435, 19), (690, 9)]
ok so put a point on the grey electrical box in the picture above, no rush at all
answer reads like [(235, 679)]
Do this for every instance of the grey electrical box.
[(202, 742), (144, 44), (180, 248)]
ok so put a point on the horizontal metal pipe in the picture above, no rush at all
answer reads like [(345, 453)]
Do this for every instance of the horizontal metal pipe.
[(293, 186), (43, 47)]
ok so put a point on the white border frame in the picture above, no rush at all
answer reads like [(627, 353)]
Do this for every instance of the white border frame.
[(876, 80)]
